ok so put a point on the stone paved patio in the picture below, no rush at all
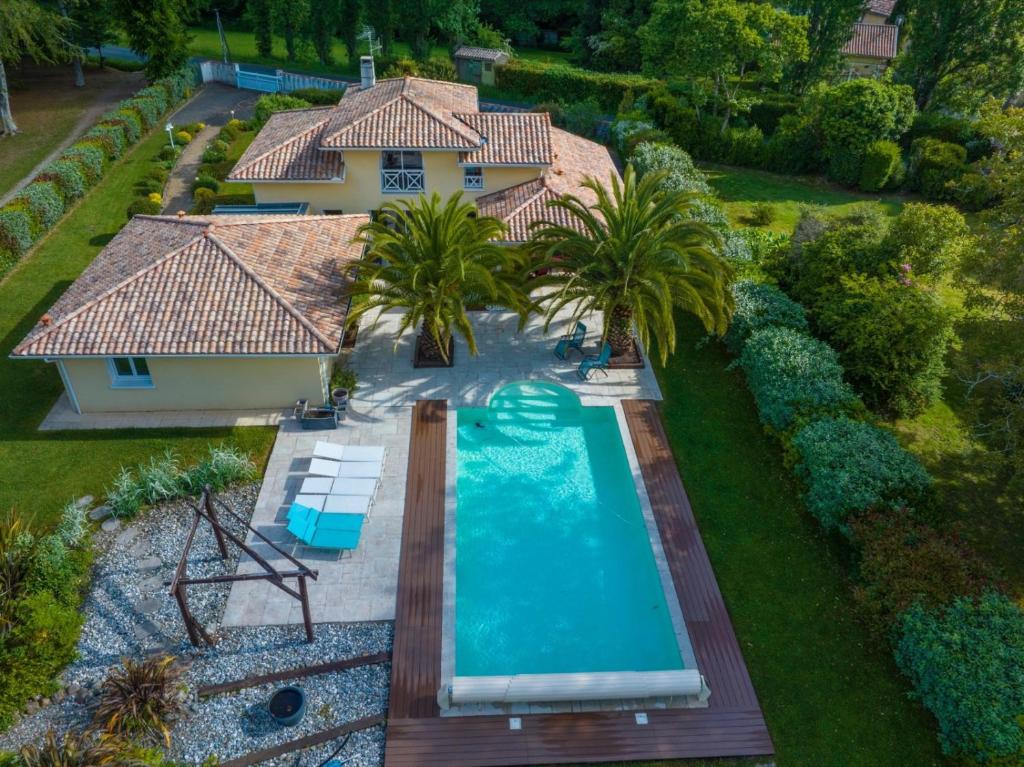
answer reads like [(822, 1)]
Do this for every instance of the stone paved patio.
[(361, 585)]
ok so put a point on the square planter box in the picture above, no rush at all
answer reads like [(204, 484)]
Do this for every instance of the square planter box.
[(419, 361)]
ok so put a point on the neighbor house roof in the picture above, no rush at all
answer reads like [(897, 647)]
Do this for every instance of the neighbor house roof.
[(573, 159), (288, 149), (209, 285), (876, 41), (406, 113), (510, 138), (881, 7), (483, 54)]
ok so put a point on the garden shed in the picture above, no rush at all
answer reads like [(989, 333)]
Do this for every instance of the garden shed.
[(477, 65)]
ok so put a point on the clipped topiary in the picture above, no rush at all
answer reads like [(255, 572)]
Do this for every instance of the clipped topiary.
[(681, 174), (67, 176), (44, 202), (206, 182), (849, 467), (109, 137), (15, 229), (89, 158), (758, 306), (203, 201), (182, 137), (144, 205), (882, 167)]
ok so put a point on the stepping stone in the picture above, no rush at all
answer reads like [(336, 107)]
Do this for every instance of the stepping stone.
[(110, 525), (126, 537), (84, 502), (151, 584), (150, 563), (100, 513), (149, 606)]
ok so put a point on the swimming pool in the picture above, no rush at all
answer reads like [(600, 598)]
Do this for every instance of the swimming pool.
[(554, 570)]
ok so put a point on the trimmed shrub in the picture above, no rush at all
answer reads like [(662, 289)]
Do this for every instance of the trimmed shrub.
[(169, 154), (89, 158), (767, 114), (582, 117), (849, 467), (903, 562), (793, 377), (67, 176), (883, 166), (761, 214), (275, 102), (935, 167), (966, 663), (148, 110), (129, 122), (158, 94), (204, 201), (538, 81), (15, 230), (213, 155), (206, 182), (44, 202), (149, 185), (158, 174), (182, 138), (155, 197), (795, 147), (759, 306), (144, 205), (682, 174), (109, 137), (932, 239), (318, 96)]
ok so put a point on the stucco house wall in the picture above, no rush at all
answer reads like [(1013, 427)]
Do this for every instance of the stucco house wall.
[(361, 190), (201, 383)]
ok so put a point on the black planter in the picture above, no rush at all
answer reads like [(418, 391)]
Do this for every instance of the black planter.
[(287, 706)]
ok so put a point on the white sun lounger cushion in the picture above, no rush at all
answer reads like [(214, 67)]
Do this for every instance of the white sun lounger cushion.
[(363, 453), (317, 485), (311, 501), (328, 450), (323, 467), (347, 504), (361, 469), (354, 486)]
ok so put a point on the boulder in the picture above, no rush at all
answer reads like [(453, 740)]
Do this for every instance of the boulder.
[(100, 513)]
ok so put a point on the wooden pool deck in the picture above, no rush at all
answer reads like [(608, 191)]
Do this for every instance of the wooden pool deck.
[(417, 736)]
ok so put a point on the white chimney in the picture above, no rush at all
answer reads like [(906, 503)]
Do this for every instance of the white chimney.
[(367, 75)]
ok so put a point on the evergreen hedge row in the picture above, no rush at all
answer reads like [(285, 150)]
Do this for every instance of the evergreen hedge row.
[(557, 82)]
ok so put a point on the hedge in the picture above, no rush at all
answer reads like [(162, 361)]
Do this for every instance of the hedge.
[(967, 666), (543, 82), (318, 96), (67, 176), (44, 202), (15, 230), (129, 122), (758, 306), (849, 467), (89, 158), (109, 137), (793, 376), (148, 110), (681, 174)]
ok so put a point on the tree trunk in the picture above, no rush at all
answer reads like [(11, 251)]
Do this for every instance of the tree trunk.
[(620, 331), (431, 348), (79, 72), (7, 124)]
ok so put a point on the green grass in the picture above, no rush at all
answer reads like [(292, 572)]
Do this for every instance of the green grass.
[(39, 471), (741, 188), (830, 692)]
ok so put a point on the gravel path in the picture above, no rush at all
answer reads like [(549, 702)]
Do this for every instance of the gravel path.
[(129, 613)]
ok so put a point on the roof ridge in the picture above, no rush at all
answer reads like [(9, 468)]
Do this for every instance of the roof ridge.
[(403, 96), (168, 218), (277, 147), (543, 187), (281, 301), (478, 138), (96, 300), (239, 219)]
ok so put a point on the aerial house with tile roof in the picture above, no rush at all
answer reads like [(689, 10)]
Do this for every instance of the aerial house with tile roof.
[(396, 138), (203, 313), (874, 41)]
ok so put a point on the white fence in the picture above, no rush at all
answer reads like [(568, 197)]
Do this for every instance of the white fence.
[(276, 82)]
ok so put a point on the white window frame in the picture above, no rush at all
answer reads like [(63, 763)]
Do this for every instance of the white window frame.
[(135, 380), (473, 181)]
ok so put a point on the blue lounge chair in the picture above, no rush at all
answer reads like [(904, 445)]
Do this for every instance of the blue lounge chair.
[(594, 362), (324, 530), (572, 341)]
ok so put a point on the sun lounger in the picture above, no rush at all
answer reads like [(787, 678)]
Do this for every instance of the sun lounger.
[(572, 341), (324, 468), (363, 453), (317, 485), (328, 450), (310, 500), (322, 530), (347, 504), (354, 486), (595, 362), (360, 469)]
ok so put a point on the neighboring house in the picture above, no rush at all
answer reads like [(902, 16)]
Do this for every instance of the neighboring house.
[(874, 42), (477, 65), (203, 313), (395, 138)]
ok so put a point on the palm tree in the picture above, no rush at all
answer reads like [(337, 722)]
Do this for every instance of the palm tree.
[(636, 255), (434, 260)]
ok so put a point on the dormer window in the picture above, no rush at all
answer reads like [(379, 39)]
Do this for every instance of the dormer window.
[(401, 171), (473, 177)]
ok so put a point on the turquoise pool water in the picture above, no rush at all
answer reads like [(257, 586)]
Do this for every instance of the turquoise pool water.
[(554, 567)]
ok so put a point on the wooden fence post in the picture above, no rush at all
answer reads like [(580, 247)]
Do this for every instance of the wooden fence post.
[(217, 532), (307, 619)]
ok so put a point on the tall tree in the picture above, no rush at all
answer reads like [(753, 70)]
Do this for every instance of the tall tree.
[(322, 23), (380, 16), (157, 29), (350, 25), (606, 37), (523, 22), (27, 29), (262, 19), (829, 24), (290, 18), (635, 255), (962, 52), (717, 42), (93, 24)]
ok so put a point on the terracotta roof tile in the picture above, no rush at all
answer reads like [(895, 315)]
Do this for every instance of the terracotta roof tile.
[(521, 206), (522, 138), (881, 7), (877, 41), (483, 54), (407, 113), (207, 285), (288, 148)]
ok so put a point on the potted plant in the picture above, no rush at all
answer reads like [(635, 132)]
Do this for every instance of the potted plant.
[(287, 706)]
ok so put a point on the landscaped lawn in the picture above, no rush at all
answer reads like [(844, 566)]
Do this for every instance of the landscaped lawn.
[(740, 188), (46, 105), (830, 692), (39, 471)]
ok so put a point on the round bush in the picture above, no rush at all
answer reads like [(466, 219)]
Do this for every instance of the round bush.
[(759, 306), (793, 376), (158, 174), (44, 202), (67, 175), (15, 230), (89, 159), (849, 467), (681, 174), (204, 201), (155, 197), (182, 137), (169, 154), (882, 167), (148, 185), (219, 145), (935, 167), (144, 205), (206, 182), (212, 155), (966, 663)]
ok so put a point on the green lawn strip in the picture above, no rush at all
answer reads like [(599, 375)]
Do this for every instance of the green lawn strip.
[(39, 471), (21, 152), (741, 188), (830, 692)]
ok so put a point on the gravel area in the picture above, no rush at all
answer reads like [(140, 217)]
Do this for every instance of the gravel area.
[(130, 613)]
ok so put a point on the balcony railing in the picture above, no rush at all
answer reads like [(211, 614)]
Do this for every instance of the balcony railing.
[(394, 181), (472, 182)]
